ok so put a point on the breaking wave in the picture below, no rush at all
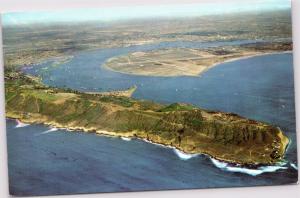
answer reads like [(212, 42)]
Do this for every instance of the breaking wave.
[(229, 167), (254, 172), (21, 124), (125, 138), (180, 154), (48, 131), (294, 166), (184, 156)]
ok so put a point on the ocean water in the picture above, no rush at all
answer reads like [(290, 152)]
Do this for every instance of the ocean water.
[(44, 161)]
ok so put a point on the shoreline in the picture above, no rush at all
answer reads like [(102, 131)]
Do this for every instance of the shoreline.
[(246, 57), (254, 55), (129, 135), (229, 166), (257, 54), (125, 93)]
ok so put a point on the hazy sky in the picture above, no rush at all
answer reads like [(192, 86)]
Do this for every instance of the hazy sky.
[(119, 13)]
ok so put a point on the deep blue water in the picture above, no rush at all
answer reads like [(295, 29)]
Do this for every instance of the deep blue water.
[(63, 162)]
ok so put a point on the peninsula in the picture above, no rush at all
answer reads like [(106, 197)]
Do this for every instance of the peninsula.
[(186, 61), (224, 136)]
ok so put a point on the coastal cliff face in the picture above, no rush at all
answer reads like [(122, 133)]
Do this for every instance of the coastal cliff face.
[(224, 136)]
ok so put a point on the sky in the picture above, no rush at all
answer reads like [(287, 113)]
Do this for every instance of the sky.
[(125, 13)]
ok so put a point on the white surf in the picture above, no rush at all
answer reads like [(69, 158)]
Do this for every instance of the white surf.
[(254, 172), (294, 166), (48, 131), (182, 155), (125, 138), (21, 124)]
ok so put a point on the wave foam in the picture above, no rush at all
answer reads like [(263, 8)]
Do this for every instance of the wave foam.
[(294, 166), (180, 154), (125, 138), (48, 131), (227, 167), (253, 172), (184, 156), (20, 124)]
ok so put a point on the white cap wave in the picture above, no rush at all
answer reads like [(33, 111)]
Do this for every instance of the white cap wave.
[(183, 155), (254, 172), (20, 124), (232, 168), (48, 131)]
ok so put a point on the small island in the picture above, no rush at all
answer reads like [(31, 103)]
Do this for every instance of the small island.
[(186, 61), (223, 136)]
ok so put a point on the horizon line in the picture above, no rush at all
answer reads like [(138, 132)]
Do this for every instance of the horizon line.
[(113, 14)]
